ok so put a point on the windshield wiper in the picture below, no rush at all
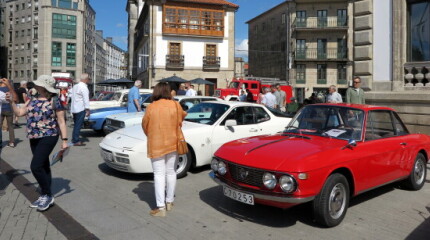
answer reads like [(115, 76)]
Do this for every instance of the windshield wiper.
[(295, 135)]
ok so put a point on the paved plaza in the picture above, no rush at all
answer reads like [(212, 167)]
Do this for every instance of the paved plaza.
[(96, 202)]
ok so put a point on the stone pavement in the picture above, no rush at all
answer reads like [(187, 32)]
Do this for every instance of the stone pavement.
[(18, 220)]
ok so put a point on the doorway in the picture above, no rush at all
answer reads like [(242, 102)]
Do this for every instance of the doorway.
[(210, 89)]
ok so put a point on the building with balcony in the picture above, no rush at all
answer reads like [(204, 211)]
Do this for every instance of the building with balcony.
[(392, 56), (321, 46), (45, 36), (116, 64), (188, 38)]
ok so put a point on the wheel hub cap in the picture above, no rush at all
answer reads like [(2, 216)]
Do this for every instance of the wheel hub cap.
[(337, 201)]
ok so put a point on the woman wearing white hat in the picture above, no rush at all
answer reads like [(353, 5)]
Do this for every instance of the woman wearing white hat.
[(45, 123)]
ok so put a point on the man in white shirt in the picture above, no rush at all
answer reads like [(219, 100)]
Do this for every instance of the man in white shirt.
[(269, 100), (333, 96), (191, 91), (80, 107)]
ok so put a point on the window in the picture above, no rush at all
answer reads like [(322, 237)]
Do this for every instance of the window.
[(419, 31), (300, 49), (321, 74), (301, 73), (193, 21), (283, 18), (56, 54), (63, 26), (22, 60), (301, 18), (322, 18), (261, 115), (342, 17), (71, 55), (35, 33), (242, 115), (322, 49), (341, 48), (68, 4), (341, 73), (380, 125)]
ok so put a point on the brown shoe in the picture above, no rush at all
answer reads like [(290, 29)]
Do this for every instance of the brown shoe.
[(79, 144), (158, 212), (169, 206)]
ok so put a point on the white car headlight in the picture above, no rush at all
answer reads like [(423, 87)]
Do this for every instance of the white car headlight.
[(269, 180), (222, 168), (214, 164), (287, 184)]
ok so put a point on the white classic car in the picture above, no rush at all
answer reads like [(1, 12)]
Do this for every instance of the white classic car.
[(207, 126), (123, 120), (119, 99)]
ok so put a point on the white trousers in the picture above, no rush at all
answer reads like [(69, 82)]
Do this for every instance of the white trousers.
[(165, 172)]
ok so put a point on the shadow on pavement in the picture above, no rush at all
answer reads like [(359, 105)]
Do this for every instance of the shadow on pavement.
[(423, 230), (145, 192), (260, 214), (124, 175), (364, 197)]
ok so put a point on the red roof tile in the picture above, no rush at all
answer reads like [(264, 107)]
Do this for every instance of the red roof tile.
[(214, 2)]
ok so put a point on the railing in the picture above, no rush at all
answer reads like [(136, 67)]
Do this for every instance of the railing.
[(211, 62), (175, 61), (417, 75), (337, 54), (320, 22)]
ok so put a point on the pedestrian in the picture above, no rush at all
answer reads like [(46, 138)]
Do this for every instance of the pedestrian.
[(333, 96), (21, 93), (277, 95), (191, 91), (293, 106), (249, 96), (242, 96), (181, 91), (355, 94), (269, 100), (133, 103), (45, 123), (161, 123), (282, 97), (7, 114), (260, 96), (80, 107)]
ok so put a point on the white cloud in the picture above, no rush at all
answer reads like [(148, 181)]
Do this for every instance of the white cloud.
[(119, 25), (242, 49)]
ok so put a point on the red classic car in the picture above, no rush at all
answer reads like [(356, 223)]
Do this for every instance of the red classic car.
[(327, 154)]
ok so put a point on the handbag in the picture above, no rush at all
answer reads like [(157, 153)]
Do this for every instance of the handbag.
[(182, 147)]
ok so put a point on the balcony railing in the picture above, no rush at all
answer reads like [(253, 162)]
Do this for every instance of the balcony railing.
[(321, 23), (175, 61), (211, 63), (315, 54), (417, 75)]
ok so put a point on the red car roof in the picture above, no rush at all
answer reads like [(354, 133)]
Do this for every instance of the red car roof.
[(364, 107)]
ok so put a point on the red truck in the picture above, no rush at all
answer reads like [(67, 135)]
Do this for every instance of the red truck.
[(255, 85)]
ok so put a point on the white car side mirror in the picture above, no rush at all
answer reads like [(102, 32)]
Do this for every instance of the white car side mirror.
[(230, 123)]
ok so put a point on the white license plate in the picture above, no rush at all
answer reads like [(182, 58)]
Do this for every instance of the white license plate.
[(107, 156), (239, 196)]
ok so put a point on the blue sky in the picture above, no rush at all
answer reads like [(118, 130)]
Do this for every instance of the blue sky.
[(111, 17)]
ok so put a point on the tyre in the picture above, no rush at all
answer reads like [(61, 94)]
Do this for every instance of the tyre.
[(418, 174), (184, 164), (331, 204)]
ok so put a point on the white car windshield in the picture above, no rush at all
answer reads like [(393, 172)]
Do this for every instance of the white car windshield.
[(206, 113), (328, 121)]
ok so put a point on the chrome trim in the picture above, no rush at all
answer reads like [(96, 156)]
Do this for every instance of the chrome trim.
[(282, 199)]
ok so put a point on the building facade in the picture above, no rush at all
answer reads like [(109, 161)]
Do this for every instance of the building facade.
[(187, 38), (392, 56), (116, 64), (45, 36), (268, 43)]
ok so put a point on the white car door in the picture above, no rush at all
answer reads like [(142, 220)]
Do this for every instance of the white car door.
[(268, 123), (246, 127)]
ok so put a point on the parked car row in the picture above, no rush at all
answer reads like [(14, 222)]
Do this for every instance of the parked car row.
[(325, 154)]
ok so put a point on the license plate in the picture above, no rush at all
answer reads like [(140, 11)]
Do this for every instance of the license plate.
[(107, 156), (239, 196)]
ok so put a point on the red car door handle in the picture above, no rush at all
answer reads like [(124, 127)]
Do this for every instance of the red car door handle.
[(403, 144)]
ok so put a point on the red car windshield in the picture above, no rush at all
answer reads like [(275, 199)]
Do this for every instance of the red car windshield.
[(328, 121)]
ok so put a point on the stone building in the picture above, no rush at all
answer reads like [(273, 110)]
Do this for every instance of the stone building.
[(392, 56), (116, 64), (268, 37), (187, 38), (44, 36)]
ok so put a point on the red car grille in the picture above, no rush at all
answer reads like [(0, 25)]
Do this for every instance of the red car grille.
[(246, 175)]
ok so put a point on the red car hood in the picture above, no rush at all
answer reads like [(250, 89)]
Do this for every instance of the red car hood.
[(290, 153)]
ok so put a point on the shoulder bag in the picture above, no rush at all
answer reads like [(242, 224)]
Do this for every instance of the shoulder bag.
[(182, 147)]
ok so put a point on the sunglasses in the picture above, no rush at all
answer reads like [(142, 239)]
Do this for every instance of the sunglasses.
[(356, 82)]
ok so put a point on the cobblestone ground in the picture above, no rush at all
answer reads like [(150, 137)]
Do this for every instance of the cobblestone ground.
[(18, 220)]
